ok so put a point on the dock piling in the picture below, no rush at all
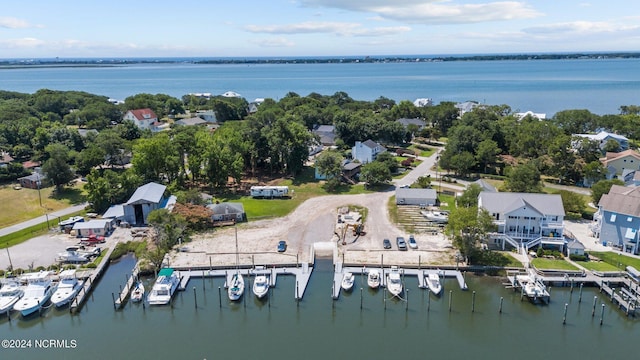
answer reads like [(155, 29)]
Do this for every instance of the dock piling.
[(219, 298), (113, 299), (428, 300), (595, 300), (360, 298), (580, 296), (195, 298), (602, 315), (473, 301), (407, 302), (564, 316), (501, 300), (450, 298)]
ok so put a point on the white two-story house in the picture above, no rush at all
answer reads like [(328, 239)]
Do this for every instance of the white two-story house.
[(525, 220), (143, 118), (366, 152)]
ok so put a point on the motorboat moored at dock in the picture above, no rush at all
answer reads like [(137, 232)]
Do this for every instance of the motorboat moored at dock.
[(433, 283), (164, 287), (373, 279), (261, 286), (394, 282), (347, 281), (138, 292), (67, 289), (38, 291), (10, 293)]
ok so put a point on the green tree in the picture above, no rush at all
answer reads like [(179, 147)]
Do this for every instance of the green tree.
[(156, 159), (487, 153), (423, 182), (594, 172), (469, 227), (56, 167), (329, 164), (524, 178), (469, 197), (611, 146), (602, 187), (89, 158), (375, 173), (573, 203), (463, 163)]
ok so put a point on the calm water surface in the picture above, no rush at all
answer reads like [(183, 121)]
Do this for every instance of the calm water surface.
[(545, 86), (320, 328)]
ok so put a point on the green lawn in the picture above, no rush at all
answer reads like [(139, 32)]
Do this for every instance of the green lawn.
[(421, 152), (553, 264), (597, 265), (31, 232), (24, 204), (620, 262)]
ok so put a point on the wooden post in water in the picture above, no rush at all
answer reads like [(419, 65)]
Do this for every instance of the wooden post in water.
[(120, 294), (203, 289), (219, 298), (473, 301), (450, 297), (595, 300), (571, 282), (501, 300), (564, 316), (580, 297), (298, 291), (602, 315), (613, 291), (361, 298), (407, 302), (195, 298), (428, 300), (269, 290), (384, 299), (113, 299)]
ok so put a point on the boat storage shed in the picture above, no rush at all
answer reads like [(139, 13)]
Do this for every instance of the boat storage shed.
[(145, 199), (422, 197)]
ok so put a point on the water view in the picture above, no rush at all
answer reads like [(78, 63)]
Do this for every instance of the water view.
[(318, 327)]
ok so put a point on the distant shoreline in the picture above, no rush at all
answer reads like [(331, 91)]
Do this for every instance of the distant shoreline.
[(108, 62)]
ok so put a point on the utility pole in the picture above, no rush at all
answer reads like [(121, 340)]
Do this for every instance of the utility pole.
[(9, 255)]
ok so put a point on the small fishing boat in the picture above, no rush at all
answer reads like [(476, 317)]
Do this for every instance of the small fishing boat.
[(10, 293), (261, 286), (72, 255), (164, 287), (137, 294), (373, 279), (436, 216), (433, 283), (38, 291), (68, 288), (394, 282), (347, 281)]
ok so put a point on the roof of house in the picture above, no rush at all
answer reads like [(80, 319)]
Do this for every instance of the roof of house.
[(611, 156), (416, 193), (575, 244), (351, 166), (144, 114), (191, 121), (231, 94), (5, 158), (504, 202), (85, 132), (30, 164), (539, 116), (114, 211), (415, 121), (622, 200), (421, 102), (603, 135), (92, 224), (34, 177), (151, 192), (226, 208), (371, 144), (485, 185), (325, 129)]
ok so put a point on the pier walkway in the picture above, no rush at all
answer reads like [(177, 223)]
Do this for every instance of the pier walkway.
[(127, 286), (79, 300)]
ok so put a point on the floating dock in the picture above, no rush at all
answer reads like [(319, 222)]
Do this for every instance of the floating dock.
[(81, 297), (124, 294)]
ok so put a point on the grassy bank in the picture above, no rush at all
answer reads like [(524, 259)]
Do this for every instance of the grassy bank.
[(32, 231), (553, 264), (616, 260)]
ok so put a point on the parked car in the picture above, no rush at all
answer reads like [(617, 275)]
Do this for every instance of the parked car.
[(402, 244), (412, 242), (386, 244), (282, 246)]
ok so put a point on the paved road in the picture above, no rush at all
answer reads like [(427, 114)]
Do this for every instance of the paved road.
[(51, 217)]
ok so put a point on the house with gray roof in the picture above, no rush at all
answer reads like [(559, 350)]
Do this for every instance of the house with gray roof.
[(227, 211), (144, 200), (415, 121), (422, 197), (603, 137), (326, 134), (524, 220), (617, 220), (366, 152), (191, 121)]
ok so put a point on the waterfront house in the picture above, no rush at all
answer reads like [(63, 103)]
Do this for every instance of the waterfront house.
[(191, 121), (422, 197), (366, 152), (326, 134), (522, 115), (603, 137), (207, 115), (415, 121), (616, 163), (227, 211), (524, 220), (102, 227), (143, 118), (5, 159), (145, 199), (617, 220), (422, 102)]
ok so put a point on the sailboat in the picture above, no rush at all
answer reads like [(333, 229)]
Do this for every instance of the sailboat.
[(236, 282)]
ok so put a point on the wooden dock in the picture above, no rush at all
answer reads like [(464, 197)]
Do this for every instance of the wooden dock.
[(79, 300), (626, 298), (124, 294), (302, 272), (420, 274)]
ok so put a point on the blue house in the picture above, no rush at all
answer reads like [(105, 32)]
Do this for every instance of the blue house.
[(618, 218)]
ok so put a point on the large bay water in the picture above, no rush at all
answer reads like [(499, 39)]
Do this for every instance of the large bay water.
[(320, 328), (542, 86)]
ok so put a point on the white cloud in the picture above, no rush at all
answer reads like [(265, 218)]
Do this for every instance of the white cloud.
[(14, 23), (578, 27), (21, 43), (338, 28), (434, 11)]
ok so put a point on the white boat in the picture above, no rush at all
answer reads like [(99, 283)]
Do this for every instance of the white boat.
[(38, 291), (347, 281), (72, 255), (67, 289), (394, 282), (235, 286), (373, 279), (433, 283), (164, 287), (436, 216), (261, 286), (138, 292), (10, 293)]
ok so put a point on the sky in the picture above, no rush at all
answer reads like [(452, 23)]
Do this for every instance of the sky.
[(285, 28)]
